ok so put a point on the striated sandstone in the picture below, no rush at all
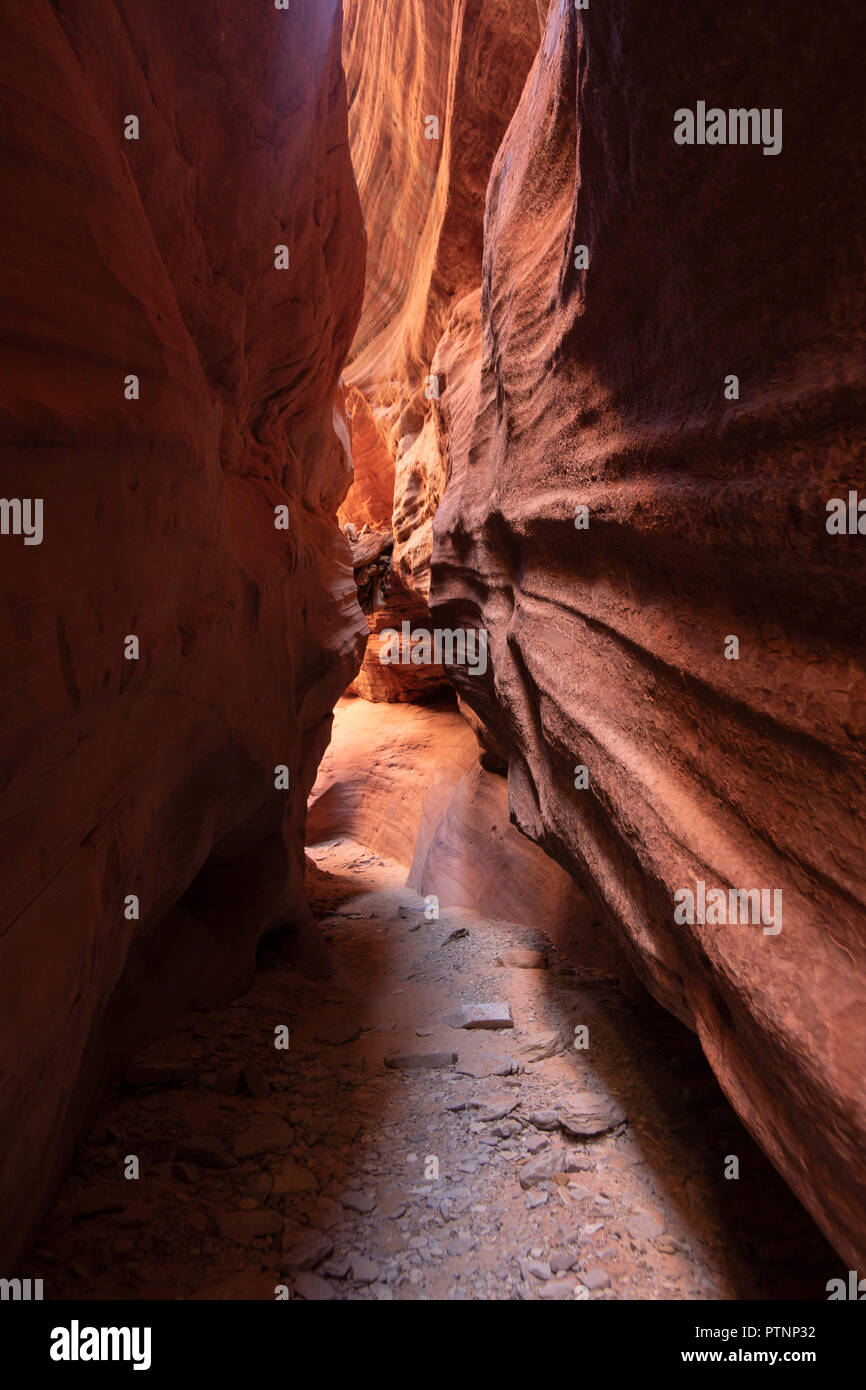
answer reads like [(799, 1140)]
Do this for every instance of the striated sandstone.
[(464, 63), (155, 777), (370, 499), (604, 387)]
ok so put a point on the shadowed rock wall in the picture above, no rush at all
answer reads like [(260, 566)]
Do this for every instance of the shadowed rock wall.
[(155, 777), (603, 386)]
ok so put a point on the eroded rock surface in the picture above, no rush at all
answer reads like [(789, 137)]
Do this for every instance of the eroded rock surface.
[(459, 64), (406, 782), (604, 387), (370, 499), (155, 777)]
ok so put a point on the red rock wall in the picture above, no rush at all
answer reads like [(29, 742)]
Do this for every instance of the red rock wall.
[(462, 62), (605, 387), (156, 777), (370, 499)]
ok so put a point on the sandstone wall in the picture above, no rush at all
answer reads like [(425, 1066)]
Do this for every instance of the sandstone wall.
[(155, 777), (604, 387), (462, 62)]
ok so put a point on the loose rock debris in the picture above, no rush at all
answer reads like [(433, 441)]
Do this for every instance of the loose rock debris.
[(354, 1166)]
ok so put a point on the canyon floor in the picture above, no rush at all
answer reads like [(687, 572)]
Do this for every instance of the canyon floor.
[(306, 1167)]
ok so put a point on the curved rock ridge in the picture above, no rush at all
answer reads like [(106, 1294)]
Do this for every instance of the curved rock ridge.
[(461, 63), (406, 782), (149, 786), (606, 386)]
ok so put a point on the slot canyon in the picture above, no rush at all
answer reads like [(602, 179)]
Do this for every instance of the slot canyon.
[(433, 702)]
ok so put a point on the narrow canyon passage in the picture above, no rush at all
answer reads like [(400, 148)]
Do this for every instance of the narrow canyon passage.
[(433, 707), (387, 1154)]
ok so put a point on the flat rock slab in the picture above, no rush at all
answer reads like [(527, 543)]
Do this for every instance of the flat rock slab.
[(494, 1106), (409, 1061), (392, 1202), (506, 1129), (541, 1045), (308, 1252), (313, 1289), (589, 1114), (494, 1015), (263, 1136), (557, 1288), (544, 1119), (362, 1202), (519, 958), (364, 1271), (488, 1064), (595, 1278), (536, 1142), (542, 1168)]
